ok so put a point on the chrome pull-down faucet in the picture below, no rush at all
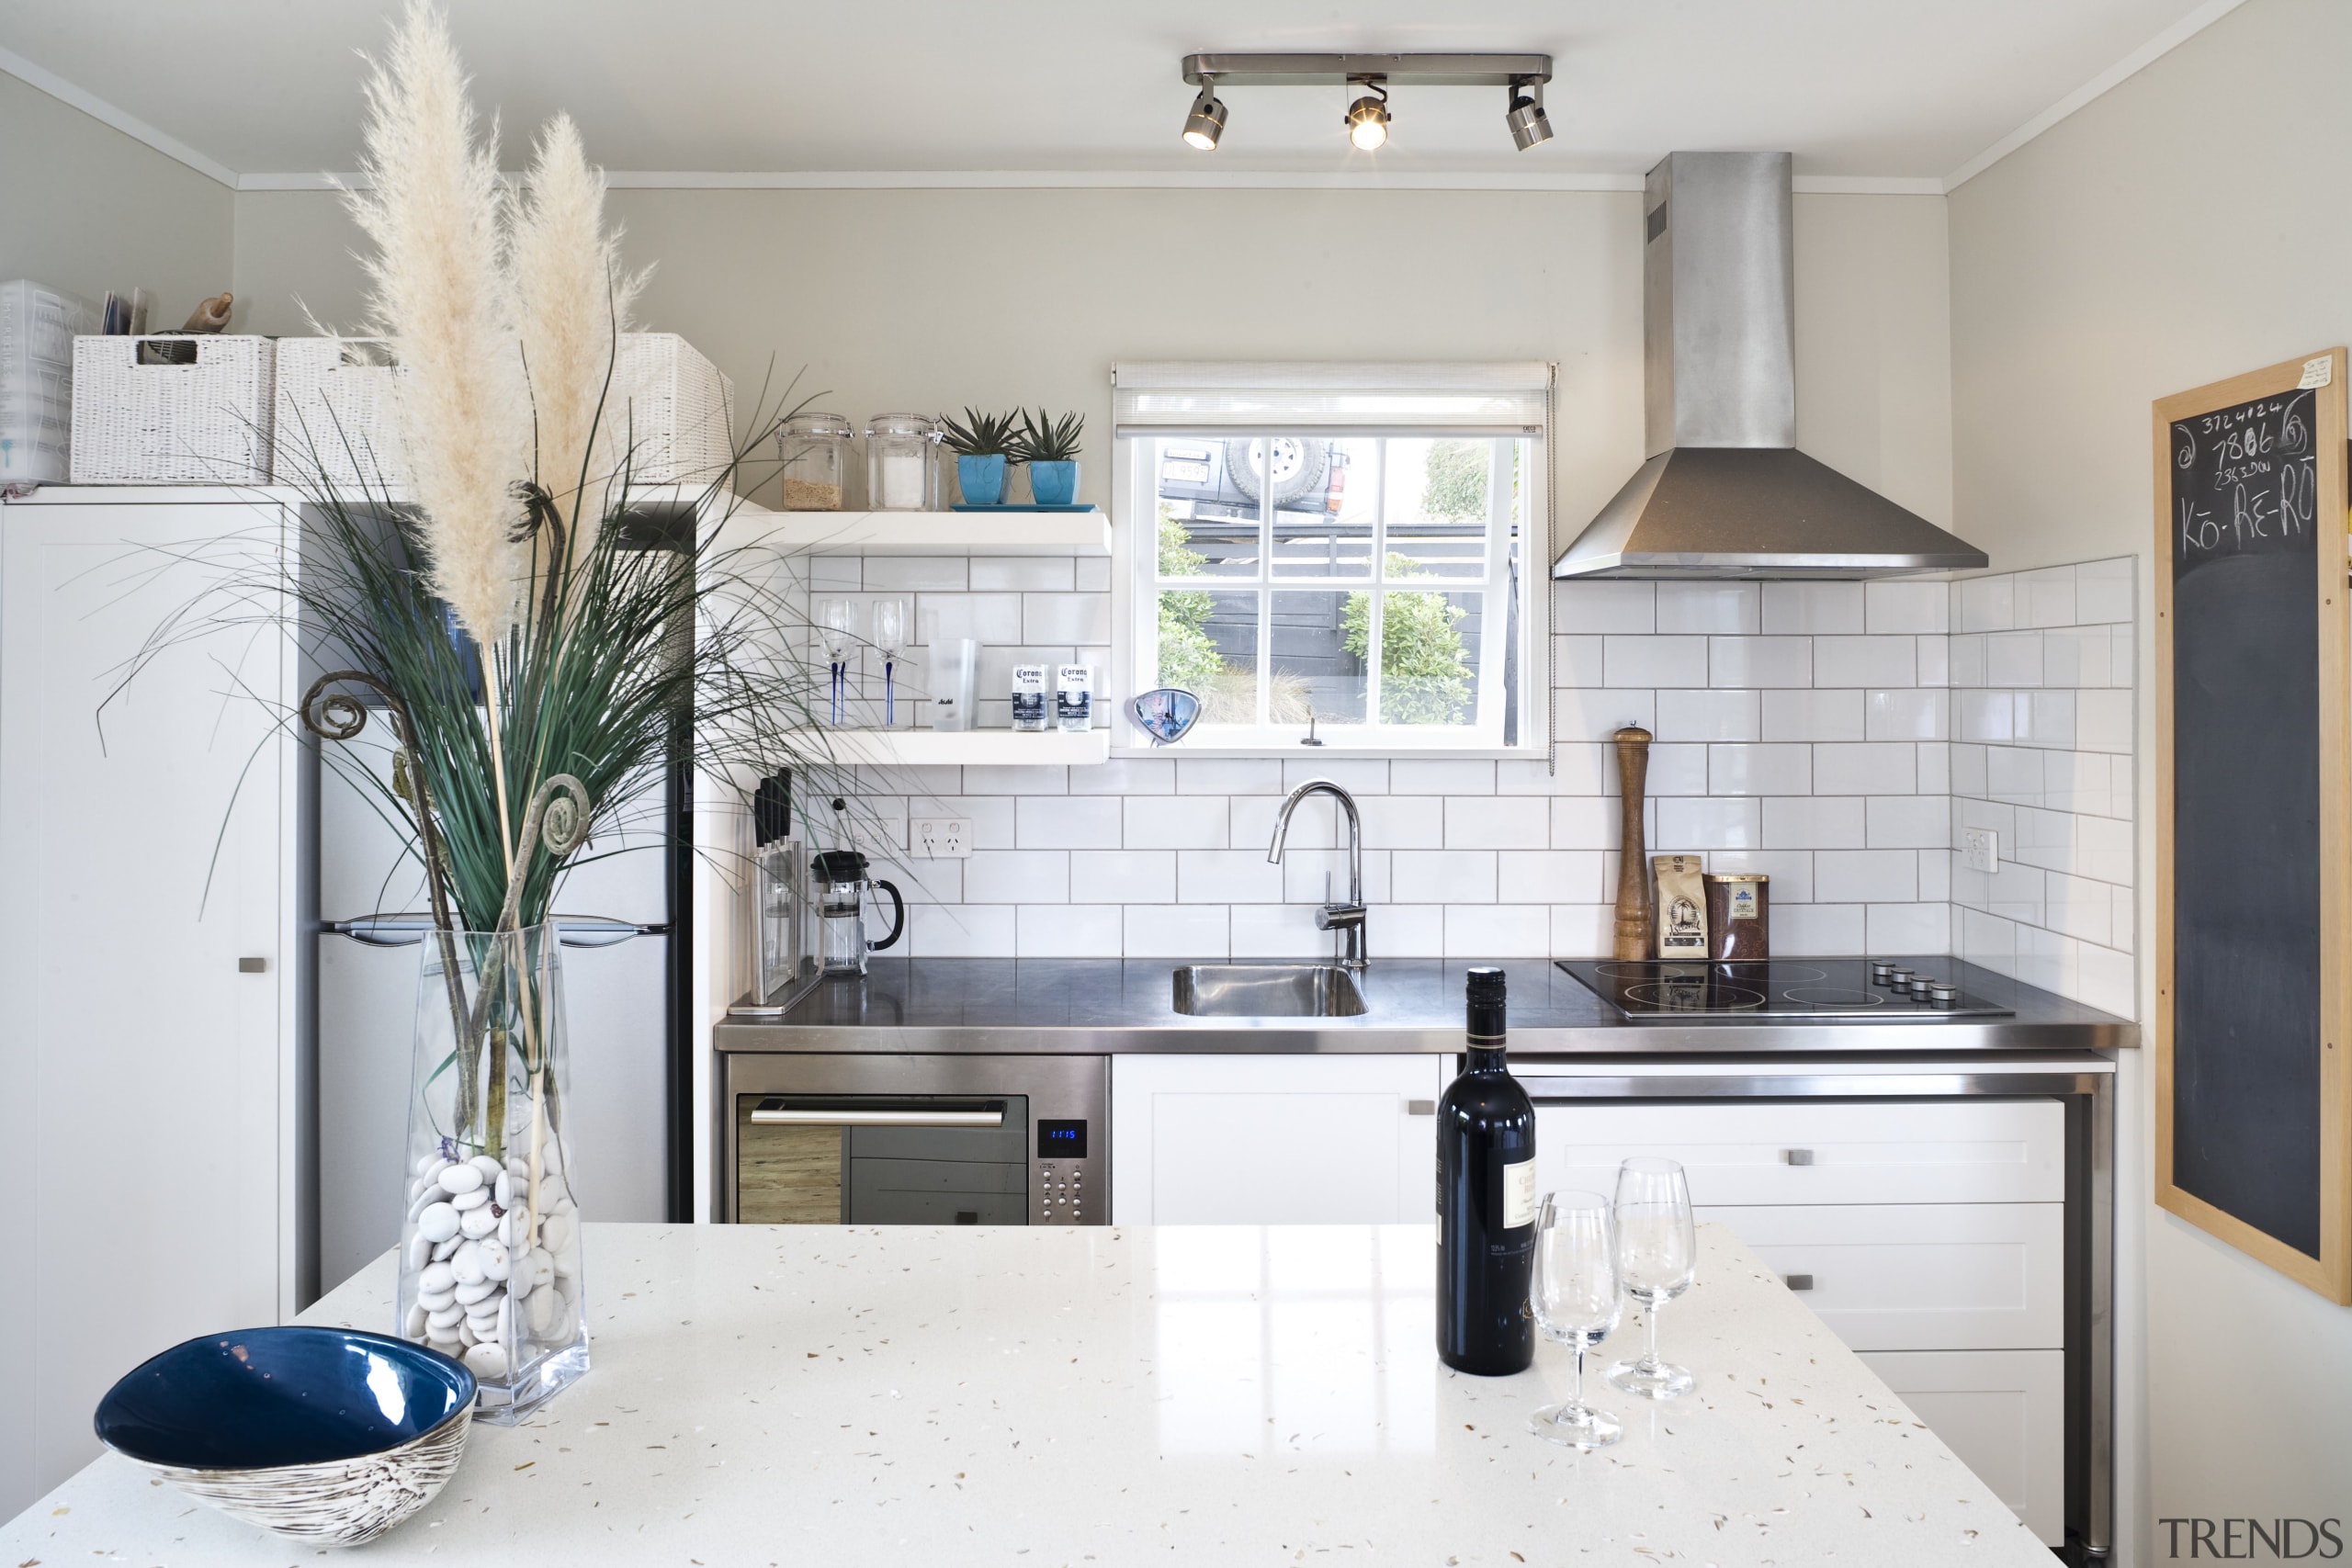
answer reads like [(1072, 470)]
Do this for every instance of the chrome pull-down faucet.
[(1346, 919)]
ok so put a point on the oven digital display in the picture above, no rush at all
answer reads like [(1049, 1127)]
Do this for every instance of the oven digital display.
[(1063, 1140)]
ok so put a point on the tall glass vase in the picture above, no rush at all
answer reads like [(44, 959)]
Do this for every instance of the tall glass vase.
[(490, 1261)]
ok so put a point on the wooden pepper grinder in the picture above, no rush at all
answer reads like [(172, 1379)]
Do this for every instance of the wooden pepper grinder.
[(1632, 859)]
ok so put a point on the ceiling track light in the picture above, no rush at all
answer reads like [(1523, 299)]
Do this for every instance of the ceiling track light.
[(1367, 118), (1206, 122), (1521, 75)]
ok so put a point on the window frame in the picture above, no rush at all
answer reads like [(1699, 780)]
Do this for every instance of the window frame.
[(1134, 605)]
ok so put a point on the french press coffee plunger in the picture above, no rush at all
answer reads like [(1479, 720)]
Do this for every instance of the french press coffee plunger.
[(843, 879)]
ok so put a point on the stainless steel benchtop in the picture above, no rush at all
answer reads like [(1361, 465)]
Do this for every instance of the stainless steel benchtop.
[(1114, 1006)]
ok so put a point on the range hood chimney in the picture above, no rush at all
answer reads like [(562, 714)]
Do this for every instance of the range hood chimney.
[(1725, 493)]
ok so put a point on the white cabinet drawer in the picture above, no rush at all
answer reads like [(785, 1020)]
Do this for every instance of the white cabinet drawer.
[(1962, 1151), (2003, 1412), (1274, 1140), (1919, 1277)]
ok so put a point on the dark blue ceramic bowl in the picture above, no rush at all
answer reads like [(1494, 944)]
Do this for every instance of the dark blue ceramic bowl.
[(324, 1435)]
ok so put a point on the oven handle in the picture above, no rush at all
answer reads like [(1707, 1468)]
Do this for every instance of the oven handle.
[(790, 1118)]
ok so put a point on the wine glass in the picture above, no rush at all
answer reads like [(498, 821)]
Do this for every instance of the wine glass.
[(1658, 1255), (890, 641), (837, 619), (1575, 1300)]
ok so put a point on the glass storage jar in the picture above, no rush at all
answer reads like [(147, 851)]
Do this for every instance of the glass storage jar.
[(900, 473), (814, 448)]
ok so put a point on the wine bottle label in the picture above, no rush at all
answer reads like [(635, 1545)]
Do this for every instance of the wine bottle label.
[(1519, 1194)]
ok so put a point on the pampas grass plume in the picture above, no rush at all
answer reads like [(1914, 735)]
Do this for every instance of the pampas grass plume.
[(432, 200), (572, 299)]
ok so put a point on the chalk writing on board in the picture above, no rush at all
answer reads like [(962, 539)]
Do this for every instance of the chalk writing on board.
[(2245, 480)]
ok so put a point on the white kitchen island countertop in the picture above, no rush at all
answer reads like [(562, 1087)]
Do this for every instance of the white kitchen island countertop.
[(1048, 1396)]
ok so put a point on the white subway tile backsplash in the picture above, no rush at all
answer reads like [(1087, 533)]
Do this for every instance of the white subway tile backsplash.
[(1014, 574), (1498, 930), (1760, 661), (960, 931), (1017, 876), (1985, 604), (917, 573), (1094, 575), (1679, 767), (1405, 822), (1176, 822), (1813, 609), (1813, 823), (1708, 823), (1579, 663), (1891, 608), (1547, 876), (1935, 768), (2077, 781), (1315, 876), (1228, 877), (1279, 931), (1068, 930), (1817, 931), (1908, 822), (2103, 720), (1968, 763), (1988, 716), (1790, 871), (1866, 877), (2107, 979), (1935, 660), (1596, 713), (2103, 590), (1887, 767), (1707, 716), (1604, 606), (1810, 715), (2014, 775), (1228, 776), (1866, 661), (1909, 928), (1584, 822), (1409, 931), (986, 617), (2078, 907), (1123, 876), (1530, 777), (2013, 659), (1582, 931), (1178, 931), (1504, 822), (1442, 876), (2074, 657), (1728, 607), (2046, 718), (1441, 776), (1066, 823), (1126, 775), (1655, 660), (1017, 778), (2046, 598), (1966, 662), (1066, 618), (1935, 875), (1743, 767), (1359, 776)]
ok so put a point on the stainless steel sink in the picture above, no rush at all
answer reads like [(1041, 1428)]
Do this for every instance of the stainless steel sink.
[(1268, 990)]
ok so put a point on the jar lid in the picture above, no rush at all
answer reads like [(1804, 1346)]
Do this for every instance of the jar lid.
[(819, 424), (902, 425), (1737, 876)]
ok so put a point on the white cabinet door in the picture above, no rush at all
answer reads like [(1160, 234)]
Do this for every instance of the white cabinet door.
[(1275, 1140), (1947, 1151), (1921, 1276), (2003, 1412), (147, 1110)]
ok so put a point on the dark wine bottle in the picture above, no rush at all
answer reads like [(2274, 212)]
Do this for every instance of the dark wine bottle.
[(1485, 1202)]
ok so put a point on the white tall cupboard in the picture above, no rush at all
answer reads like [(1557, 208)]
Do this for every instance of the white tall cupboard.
[(150, 971)]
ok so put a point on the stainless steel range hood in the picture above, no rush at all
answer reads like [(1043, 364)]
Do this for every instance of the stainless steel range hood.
[(1725, 493)]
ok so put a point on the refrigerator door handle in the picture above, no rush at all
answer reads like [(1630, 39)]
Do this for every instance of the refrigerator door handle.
[(407, 929)]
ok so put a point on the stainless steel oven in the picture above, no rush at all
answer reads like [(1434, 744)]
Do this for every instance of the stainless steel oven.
[(898, 1140)]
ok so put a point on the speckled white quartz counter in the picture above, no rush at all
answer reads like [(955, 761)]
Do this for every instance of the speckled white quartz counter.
[(776, 1395)]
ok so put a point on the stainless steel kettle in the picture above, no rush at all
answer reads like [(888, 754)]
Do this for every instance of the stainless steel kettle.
[(843, 880)]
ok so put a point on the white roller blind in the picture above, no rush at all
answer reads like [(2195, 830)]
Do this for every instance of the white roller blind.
[(1214, 397)]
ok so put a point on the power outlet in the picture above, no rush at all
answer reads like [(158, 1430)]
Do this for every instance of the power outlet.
[(1980, 849), (941, 838)]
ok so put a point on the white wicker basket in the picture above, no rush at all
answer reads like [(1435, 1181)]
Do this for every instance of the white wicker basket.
[(206, 423), (674, 408), (334, 424)]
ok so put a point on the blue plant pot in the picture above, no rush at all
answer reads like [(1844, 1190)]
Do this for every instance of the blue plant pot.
[(1054, 484), (982, 479)]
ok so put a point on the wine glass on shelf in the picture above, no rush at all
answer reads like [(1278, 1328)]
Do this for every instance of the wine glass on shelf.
[(1657, 1256), (890, 641), (1574, 1294), (837, 621)]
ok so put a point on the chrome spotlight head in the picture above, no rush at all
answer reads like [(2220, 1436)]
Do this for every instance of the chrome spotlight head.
[(1526, 118), (1367, 120), (1206, 122)]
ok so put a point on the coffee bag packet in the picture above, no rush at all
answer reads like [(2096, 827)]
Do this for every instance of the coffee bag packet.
[(1682, 907)]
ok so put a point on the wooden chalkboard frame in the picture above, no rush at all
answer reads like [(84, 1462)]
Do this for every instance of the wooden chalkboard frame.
[(2329, 1274)]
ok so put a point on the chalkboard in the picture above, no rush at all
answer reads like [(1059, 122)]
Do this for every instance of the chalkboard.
[(2252, 785)]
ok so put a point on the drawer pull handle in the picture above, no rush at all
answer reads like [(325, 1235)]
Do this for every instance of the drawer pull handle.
[(1796, 1156), (1420, 1107), (790, 1117), (1801, 1282)]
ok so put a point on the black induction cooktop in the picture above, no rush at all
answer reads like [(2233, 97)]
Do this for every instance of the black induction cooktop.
[(1908, 991)]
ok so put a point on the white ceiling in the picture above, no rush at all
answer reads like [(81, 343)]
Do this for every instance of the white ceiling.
[(1916, 90)]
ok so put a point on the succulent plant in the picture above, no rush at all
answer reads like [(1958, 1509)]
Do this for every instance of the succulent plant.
[(1046, 440), (982, 435)]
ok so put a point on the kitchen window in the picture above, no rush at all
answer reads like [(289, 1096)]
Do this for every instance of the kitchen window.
[(1337, 553)]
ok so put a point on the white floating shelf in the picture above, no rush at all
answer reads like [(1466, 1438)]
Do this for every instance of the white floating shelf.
[(986, 748), (939, 532)]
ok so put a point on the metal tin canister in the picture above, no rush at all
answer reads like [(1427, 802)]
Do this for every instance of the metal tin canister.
[(1739, 916)]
